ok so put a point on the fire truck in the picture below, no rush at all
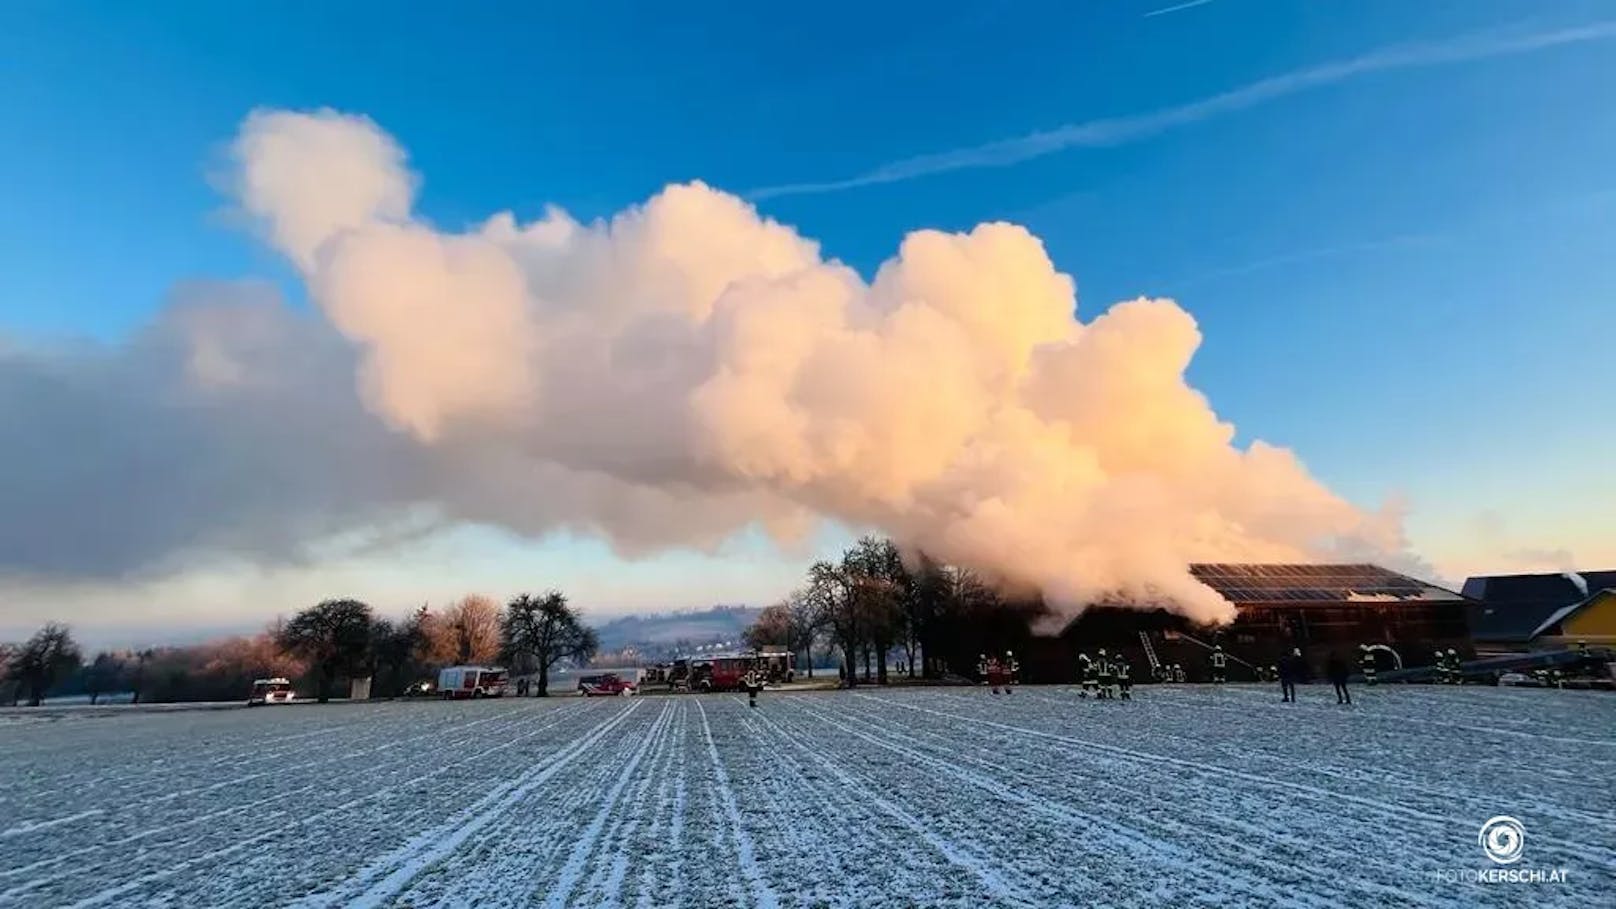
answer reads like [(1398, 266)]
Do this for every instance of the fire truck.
[(725, 671), (471, 682)]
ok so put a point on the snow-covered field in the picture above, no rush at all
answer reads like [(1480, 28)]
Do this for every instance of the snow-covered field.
[(1186, 796)]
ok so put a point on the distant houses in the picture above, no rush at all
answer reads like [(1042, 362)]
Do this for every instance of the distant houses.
[(1542, 611)]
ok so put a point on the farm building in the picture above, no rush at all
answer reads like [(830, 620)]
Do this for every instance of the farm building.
[(1321, 609), (1543, 611)]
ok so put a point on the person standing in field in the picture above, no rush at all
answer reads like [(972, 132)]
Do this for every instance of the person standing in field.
[(1290, 668), (1085, 674), (1220, 665), (1336, 669)]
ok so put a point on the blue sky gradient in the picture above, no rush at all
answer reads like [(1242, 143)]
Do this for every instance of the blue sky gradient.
[(1407, 275)]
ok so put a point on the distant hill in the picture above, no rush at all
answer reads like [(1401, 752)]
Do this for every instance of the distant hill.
[(664, 633)]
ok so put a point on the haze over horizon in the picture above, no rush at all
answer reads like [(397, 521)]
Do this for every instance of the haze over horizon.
[(678, 309)]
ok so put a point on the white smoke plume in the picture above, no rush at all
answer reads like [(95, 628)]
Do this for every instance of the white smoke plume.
[(698, 367)]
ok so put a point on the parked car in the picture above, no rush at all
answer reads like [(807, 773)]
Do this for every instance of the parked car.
[(607, 684), (270, 691), (471, 682)]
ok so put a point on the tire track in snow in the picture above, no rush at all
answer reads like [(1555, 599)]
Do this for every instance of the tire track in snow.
[(399, 868), (212, 857), (762, 893), (567, 880), (1146, 758), (1001, 891), (1480, 800), (1158, 850), (636, 817), (284, 795), (1247, 841)]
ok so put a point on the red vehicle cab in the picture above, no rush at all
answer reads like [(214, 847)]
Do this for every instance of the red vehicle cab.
[(608, 684)]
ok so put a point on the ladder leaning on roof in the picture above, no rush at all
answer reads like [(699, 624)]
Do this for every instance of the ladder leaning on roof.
[(1150, 654)]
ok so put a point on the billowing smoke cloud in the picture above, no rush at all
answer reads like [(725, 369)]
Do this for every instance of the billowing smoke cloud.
[(669, 377)]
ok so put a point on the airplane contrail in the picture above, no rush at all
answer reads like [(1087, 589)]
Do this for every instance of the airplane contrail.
[(1118, 130), (1174, 9)]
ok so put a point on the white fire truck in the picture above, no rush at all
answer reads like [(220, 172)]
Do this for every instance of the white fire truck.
[(471, 682)]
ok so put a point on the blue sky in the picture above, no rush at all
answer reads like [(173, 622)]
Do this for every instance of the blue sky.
[(1405, 275)]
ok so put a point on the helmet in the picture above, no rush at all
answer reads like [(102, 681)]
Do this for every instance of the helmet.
[(1102, 651), (1296, 651), (1450, 651), (1363, 646), (1009, 653)]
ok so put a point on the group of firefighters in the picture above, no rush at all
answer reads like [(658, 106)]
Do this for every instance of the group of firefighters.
[(1108, 675)]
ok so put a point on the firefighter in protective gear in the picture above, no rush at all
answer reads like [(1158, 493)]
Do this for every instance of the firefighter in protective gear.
[(1220, 665), (1124, 682), (1366, 662), (1178, 673), (1103, 671), (1086, 674), (1012, 671), (753, 683), (1455, 668)]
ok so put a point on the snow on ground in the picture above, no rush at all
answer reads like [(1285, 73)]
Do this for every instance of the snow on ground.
[(937, 797)]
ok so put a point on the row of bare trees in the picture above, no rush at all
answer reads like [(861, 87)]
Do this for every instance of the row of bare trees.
[(322, 645), (873, 603)]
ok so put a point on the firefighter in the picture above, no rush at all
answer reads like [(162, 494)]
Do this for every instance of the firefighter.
[(1220, 664), (1366, 661), (753, 684), (1455, 668), (1178, 673), (982, 666), (1012, 671), (1124, 682), (1085, 675), (1103, 671)]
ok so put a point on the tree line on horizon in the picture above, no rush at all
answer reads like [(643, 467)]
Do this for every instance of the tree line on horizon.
[(872, 604), (318, 647)]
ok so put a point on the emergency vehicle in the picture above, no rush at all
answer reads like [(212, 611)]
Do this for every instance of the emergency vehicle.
[(270, 691), (471, 682), (607, 684)]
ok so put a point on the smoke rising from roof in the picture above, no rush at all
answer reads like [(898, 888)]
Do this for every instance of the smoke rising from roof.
[(684, 370)]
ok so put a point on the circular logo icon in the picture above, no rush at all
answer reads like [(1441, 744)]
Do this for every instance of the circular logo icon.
[(1503, 838)]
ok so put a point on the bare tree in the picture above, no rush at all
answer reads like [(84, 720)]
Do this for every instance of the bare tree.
[(46, 657), (545, 630), (468, 631), (103, 673), (333, 637)]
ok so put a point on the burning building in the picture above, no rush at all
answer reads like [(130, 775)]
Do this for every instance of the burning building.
[(1320, 609)]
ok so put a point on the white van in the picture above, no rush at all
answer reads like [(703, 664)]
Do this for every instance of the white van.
[(270, 691)]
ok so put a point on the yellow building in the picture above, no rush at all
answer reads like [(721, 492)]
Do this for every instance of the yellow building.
[(1543, 611), (1593, 621)]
